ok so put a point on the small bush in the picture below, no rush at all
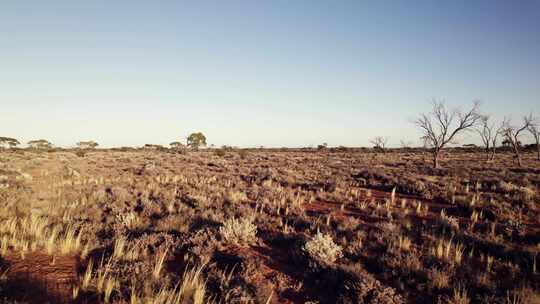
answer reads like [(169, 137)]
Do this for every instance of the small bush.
[(236, 197), (526, 194), (220, 152), (322, 249), (438, 278), (448, 222), (506, 187), (243, 154), (240, 232)]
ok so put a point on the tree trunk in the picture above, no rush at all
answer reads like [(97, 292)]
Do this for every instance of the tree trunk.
[(516, 152), (436, 159), (492, 157)]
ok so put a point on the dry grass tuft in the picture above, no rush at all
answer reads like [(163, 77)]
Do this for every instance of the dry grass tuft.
[(239, 232), (322, 249)]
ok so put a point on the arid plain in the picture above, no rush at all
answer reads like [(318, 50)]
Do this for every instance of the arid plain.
[(268, 226)]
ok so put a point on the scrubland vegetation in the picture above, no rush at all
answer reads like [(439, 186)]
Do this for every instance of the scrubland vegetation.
[(325, 225), (268, 226)]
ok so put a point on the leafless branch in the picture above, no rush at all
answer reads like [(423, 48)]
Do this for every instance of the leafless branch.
[(442, 125), (511, 133), (379, 142)]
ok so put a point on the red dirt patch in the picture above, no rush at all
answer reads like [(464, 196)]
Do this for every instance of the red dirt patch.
[(40, 278), (275, 265)]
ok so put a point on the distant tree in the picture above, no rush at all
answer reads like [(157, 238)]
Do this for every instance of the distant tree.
[(322, 146), (196, 140), (40, 144), (8, 142), (177, 145), (535, 131), (87, 144), (379, 143), (153, 147), (441, 125), (511, 134), (489, 134)]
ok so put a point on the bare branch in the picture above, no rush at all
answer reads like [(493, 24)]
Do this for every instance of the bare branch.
[(379, 142), (441, 126), (511, 133)]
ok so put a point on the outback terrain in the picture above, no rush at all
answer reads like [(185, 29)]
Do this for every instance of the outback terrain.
[(268, 226)]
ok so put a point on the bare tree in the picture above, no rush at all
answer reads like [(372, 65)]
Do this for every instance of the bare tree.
[(379, 142), (511, 134), (489, 134), (441, 126), (533, 129)]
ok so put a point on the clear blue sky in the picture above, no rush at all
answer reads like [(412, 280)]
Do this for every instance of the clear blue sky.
[(250, 73)]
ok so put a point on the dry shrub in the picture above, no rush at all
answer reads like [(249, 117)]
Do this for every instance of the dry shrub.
[(523, 295), (132, 221), (236, 197), (438, 278), (243, 154), (220, 152), (240, 232), (449, 222), (526, 194), (322, 249), (507, 187), (522, 193), (352, 284)]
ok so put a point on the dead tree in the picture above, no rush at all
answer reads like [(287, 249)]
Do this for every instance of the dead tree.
[(379, 143), (511, 134), (441, 126), (489, 134), (533, 129)]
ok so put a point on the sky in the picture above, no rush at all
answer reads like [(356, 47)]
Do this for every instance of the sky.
[(259, 73)]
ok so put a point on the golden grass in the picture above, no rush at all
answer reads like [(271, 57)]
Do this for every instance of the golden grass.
[(158, 266), (459, 296), (446, 250), (190, 290), (34, 233)]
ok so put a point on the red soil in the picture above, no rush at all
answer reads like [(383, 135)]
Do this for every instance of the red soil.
[(40, 278)]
